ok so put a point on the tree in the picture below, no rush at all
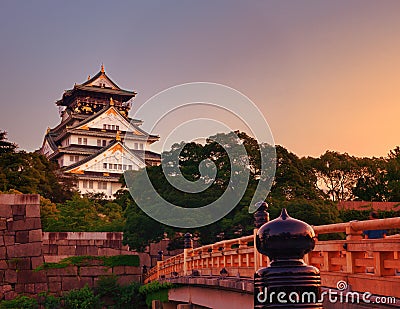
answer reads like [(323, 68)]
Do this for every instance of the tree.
[(5, 145), (337, 174), (293, 178), (31, 173), (371, 183), (393, 175)]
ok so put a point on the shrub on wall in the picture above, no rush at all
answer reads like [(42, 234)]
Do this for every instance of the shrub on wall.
[(21, 302), (81, 299)]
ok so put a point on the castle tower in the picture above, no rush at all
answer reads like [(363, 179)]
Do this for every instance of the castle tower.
[(96, 141)]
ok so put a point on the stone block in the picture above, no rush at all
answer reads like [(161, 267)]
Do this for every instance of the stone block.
[(9, 240), (18, 209), (92, 250), (53, 249), (26, 199), (3, 264), (81, 250), (54, 258), (5, 288), (32, 211), (27, 224), (66, 250), (10, 276), (35, 235), (128, 279), (36, 261), (41, 287), (3, 252), (29, 288), (133, 270), (5, 211), (118, 270), (54, 278), (55, 287), (22, 237), (24, 250), (10, 295), (23, 263), (69, 283), (3, 224), (29, 276), (61, 242), (67, 271), (7, 199), (18, 217), (19, 288), (2, 240), (95, 271)]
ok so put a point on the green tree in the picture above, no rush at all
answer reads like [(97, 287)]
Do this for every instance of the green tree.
[(371, 184), (5, 145), (393, 175), (337, 174)]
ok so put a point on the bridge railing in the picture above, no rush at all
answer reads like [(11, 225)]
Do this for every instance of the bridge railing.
[(366, 265)]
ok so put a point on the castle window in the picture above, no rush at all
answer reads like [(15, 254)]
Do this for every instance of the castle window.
[(129, 167), (90, 184), (117, 128), (113, 127), (102, 185), (84, 183), (104, 126), (73, 158), (136, 145), (104, 143), (79, 141), (85, 141), (120, 166), (115, 166), (105, 165), (99, 143), (124, 167), (141, 146)]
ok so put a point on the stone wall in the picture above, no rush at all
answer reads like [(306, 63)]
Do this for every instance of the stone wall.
[(23, 247), (20, 245)]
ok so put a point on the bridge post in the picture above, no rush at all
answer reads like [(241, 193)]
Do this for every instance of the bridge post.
[(187, 245), (287, 282), (160, 258), (261, 216)]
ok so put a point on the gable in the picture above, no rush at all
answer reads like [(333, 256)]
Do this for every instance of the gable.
[(103, 81), (111, 117), (115, 159), (46, 149)]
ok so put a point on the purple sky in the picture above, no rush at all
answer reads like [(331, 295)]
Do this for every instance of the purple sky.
[(324, 74)]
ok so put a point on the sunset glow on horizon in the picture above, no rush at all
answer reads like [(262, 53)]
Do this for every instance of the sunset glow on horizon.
[(324, 74)]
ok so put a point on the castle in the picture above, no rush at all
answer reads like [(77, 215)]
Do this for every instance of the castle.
[(96, 141)]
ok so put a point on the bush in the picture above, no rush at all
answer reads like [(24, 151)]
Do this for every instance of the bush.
[(81, 299), (21, 302), (122, 296), (49, 301), (130, 297), (155, 290)]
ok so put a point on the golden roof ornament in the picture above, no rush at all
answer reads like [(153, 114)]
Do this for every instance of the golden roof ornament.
[(48, 130), (118, 137), (111, 101), (102, 68), (88, 78)]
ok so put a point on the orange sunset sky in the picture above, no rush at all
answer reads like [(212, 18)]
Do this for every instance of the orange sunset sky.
[(325, 74)]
